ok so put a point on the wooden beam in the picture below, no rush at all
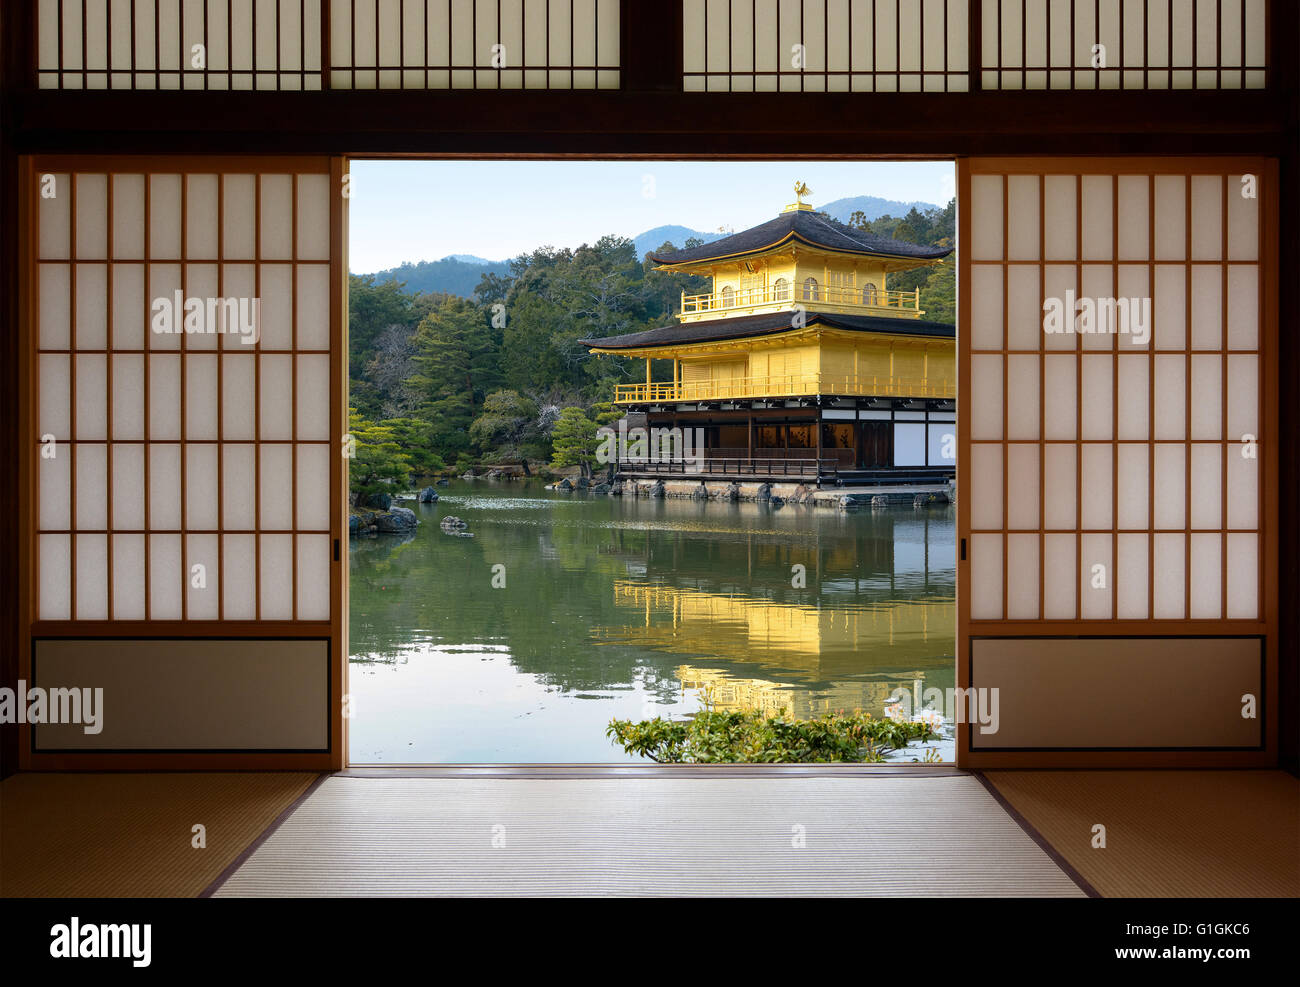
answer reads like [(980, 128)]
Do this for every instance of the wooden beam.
[(621, 124), (17, 51)]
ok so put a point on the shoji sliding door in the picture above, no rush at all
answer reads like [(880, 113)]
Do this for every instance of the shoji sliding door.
[(1117, 507), (184, 479)]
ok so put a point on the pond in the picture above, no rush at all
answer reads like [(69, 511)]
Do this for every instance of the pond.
[(563, 611)]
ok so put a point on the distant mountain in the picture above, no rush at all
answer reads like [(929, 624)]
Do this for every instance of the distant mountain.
[(874, 207), (458, 274), (840, 209), (676, 235)]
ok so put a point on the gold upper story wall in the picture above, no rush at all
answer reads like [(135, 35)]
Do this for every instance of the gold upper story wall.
[(801, 362)]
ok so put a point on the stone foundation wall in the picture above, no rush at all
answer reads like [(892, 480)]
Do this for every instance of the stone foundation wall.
[(778, 494)]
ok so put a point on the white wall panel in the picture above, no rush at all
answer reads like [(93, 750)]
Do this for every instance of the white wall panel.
[(1124, 44), (158, 414)]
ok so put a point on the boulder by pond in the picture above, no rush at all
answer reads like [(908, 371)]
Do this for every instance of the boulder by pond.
[(428, 496), (395, 520), (452, 525)]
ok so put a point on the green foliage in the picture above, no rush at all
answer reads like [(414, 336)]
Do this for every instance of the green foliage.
[(377, 311), (574, 440), (455, 366), (939, 293), (749, 736), (604, 413), (508, 421), (378, 463), (415, 438)]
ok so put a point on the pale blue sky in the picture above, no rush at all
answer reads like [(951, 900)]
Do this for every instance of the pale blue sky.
[(424, 210)]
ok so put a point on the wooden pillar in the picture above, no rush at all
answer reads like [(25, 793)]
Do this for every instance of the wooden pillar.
[(817, 427), (647, 375)]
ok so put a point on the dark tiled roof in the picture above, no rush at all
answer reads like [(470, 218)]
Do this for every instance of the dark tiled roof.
[(764, 325), (808, 227)]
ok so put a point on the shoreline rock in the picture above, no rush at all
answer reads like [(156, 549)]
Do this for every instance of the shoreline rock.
[(395, 520)]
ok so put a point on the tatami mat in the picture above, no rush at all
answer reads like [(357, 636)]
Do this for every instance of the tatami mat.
[(130, 835), (891, 835), (1168, 833)]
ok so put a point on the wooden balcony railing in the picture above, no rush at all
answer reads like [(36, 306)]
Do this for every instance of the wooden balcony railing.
[(786, 385), (737, 466), (863, 300)]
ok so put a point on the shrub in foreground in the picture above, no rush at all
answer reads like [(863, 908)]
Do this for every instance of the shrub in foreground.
[(712, 737)]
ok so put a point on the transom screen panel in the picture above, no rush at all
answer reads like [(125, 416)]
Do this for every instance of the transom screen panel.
[(182, 395), (315, 44), (474, 44), (825, 45), (1115, 462), (179, 44), (1124, 44)]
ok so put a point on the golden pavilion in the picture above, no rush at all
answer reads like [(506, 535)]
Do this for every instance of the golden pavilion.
[(800, 362)]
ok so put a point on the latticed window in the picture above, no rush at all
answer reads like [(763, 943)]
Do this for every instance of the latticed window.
[(781, 290), (811, 290), (839, 286), (870, 296)]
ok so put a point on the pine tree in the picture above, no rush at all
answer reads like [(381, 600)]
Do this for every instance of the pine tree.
[(376, 464), (456, 361), (574, 440)]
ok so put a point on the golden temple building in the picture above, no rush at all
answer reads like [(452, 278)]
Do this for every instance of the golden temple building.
[(800, 362)]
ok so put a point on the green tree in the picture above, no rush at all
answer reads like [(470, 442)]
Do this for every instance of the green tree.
[(507, 421), (377, 463), (574, 440), (528, 357), (381, 318), (939, 293), (457, 361), (415, 438)]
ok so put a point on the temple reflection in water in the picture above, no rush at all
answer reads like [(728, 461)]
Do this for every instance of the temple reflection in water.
[(877, 615)]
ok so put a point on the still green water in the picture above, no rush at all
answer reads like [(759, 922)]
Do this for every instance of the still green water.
[(609, 607)]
